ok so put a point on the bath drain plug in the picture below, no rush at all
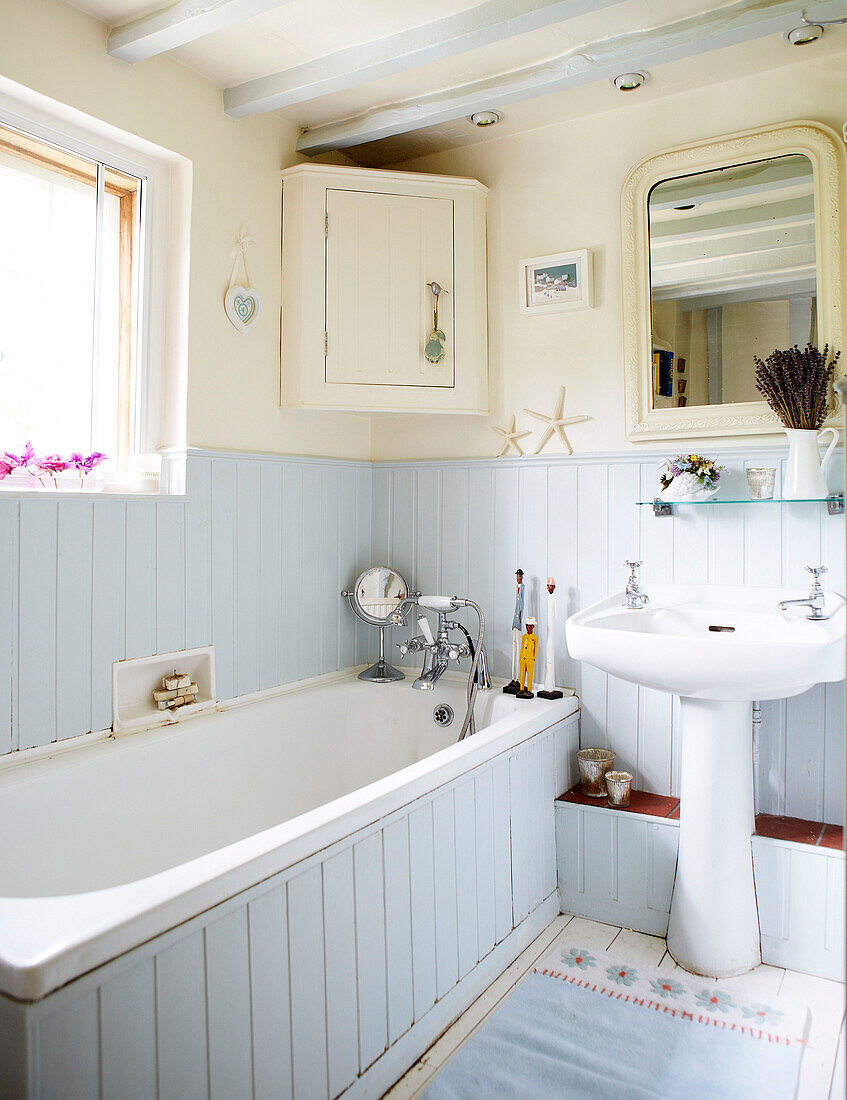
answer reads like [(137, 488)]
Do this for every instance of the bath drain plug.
[(443, 714)]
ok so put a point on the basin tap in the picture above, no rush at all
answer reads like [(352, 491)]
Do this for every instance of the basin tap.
[(635, 598), (816, 598)]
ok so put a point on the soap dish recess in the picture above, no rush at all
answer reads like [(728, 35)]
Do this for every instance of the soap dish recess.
[(133, 683)]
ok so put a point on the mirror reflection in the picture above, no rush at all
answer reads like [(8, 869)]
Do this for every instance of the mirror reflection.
[(379, 592), (733, 275)]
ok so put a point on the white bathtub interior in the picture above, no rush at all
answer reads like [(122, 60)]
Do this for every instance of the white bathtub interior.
[(120, 810)]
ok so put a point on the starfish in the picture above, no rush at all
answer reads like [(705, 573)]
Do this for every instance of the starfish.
[(510, 438), (556, 424)]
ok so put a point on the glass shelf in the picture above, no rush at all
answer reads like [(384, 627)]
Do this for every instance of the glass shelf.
[(834, 503)]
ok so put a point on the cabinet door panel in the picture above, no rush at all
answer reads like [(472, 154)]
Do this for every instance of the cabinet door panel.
[(381, 252)]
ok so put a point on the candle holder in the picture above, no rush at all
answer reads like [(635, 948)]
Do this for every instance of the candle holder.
[(619, 787)]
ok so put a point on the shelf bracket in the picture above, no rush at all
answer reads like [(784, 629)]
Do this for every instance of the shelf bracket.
[(835, 504), (662, 508)]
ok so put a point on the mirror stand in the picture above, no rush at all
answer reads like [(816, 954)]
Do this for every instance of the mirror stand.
[(381, 672)]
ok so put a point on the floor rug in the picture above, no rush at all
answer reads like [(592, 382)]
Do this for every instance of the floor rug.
[(586, 1031)]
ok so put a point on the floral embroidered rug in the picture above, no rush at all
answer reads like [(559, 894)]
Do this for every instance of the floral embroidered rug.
[(584, 1026)]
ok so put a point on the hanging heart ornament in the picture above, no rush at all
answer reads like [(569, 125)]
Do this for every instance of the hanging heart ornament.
[(243, 306)]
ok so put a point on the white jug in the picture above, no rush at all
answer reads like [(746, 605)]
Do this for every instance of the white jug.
[(805, 474)]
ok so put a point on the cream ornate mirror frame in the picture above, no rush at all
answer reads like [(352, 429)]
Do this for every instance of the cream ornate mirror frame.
[(823, 148)]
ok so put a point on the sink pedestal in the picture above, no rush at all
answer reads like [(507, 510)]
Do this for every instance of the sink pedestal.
[(714, 923)]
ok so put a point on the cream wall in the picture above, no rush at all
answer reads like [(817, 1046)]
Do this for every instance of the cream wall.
[(233, 387), (558, 188)]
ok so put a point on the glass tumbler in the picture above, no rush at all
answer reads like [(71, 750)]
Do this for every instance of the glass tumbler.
[(760, 482)]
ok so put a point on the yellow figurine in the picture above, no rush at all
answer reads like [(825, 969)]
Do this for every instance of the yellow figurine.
[(529, 648)]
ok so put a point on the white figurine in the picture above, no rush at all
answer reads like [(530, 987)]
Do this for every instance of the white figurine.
[(550, 691)]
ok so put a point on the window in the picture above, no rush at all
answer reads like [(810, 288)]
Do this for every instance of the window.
[(71, 252)]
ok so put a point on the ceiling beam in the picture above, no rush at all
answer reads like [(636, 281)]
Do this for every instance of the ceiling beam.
[(489, 22), (179, 24), (740, 21)]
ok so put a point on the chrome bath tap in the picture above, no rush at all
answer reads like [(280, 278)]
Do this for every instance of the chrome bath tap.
[(816, 598), (439, 650), (635, 598)]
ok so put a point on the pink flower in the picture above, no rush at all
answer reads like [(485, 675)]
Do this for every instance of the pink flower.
[(94, 459), (5, 469), (51, 464), (20, 461)]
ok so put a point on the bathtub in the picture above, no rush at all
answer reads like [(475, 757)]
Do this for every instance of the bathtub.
[(287, 896)]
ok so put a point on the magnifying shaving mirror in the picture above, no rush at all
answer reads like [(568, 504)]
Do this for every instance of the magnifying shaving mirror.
[(380, 598)]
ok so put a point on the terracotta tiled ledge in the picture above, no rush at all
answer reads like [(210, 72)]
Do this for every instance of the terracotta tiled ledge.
[(816, 833), (641, 802)]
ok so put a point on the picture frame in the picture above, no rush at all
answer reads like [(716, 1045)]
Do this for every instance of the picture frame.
[(680, 366), (682, 402), (680, 385), (556, 283)]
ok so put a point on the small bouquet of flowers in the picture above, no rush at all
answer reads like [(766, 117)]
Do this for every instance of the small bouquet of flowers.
[(27, 470), (689, 477)]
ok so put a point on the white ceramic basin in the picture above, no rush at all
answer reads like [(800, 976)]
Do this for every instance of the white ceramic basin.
[(717, 648), (713, 641)]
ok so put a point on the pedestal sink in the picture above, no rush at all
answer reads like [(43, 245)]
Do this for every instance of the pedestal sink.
[(718, 648)]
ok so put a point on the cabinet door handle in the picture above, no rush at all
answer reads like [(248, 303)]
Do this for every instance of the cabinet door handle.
[(434, 349)]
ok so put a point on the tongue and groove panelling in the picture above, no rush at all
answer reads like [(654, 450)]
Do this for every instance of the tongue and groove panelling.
[(465, 527), (252, 559)]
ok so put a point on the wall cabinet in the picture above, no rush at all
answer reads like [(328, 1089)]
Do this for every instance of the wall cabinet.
[(359, 250)]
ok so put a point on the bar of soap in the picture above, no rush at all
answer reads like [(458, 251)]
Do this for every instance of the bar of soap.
[(176, 682)]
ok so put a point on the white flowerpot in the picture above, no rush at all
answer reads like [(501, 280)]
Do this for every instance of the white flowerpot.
[(805, 474), (19, 479), (61, 481), (686, 486)]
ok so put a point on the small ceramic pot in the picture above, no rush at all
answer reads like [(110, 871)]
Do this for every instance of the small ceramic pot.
[(619, 786), (687, 486), (593, 765)]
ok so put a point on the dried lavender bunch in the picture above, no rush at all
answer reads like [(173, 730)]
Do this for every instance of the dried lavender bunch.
[(796, 384)]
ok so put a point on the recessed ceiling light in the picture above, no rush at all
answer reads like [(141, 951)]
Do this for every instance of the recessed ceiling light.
[(484, 118), (805, 35), (628, 82)]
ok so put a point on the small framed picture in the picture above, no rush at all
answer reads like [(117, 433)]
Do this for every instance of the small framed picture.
[(680, 385), (682, 402), (680, 366), (550, 284)]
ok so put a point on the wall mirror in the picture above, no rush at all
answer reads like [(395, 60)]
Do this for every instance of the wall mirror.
[(731, 248)]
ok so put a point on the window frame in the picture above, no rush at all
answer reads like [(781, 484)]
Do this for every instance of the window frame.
[(160, 405)]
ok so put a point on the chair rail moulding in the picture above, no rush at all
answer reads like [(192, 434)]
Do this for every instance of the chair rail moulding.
[(824, 150)]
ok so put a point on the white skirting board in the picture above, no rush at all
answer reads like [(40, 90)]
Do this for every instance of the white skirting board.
[(619, 868)]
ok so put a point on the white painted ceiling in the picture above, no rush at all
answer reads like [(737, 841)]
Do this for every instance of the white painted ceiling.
[(301, 31)]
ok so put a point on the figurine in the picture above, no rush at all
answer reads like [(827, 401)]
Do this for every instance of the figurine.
[(513, 687), (550, 691), (529, 648)]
